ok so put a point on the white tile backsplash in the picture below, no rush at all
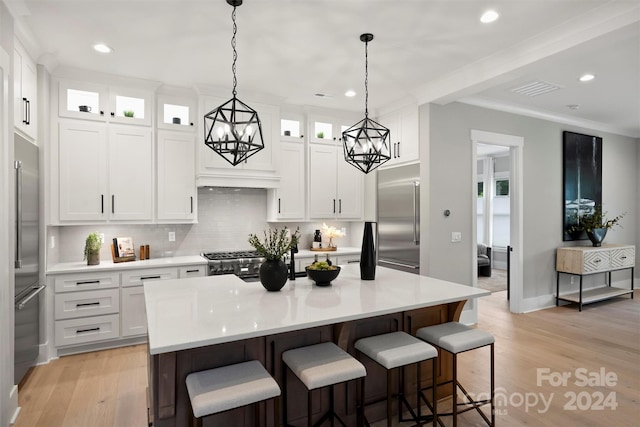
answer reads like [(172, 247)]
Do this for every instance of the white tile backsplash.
[(226, 217)]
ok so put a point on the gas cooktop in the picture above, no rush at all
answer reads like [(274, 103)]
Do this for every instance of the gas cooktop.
[(231, 255), (243, 264)]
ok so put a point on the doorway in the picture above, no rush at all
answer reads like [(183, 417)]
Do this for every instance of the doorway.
[(497, 217)]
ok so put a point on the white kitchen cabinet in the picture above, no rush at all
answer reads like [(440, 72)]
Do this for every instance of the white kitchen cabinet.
[(177, 113), (259, 170), (292, 126), (83, 176), (131, 173), (335, 187), (89, 101), (134, 313), (69, 305), (192, 271), (25, 78), (176, 192), (287, 201), (105, 172), (139, 277), (324, 129), (86, 330), (404, 135)]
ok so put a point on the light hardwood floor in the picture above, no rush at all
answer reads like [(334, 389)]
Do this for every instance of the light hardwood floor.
[(107, 388)]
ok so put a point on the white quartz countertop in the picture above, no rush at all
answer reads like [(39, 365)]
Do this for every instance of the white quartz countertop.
[(82, 267), (200, 311), (308, 253)]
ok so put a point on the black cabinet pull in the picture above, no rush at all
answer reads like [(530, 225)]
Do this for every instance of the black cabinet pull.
[(88, 282), (149, 277), (113, 114), (191, 203), (113, 203), (334, 205), (279, 205), (398, 149), (339, 205), (24, 102), (80, 331), (101, 113), (193, 271), (28, 112), (86, 304), (102, 203)]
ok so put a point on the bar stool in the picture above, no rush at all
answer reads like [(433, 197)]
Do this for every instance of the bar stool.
[(397, 350), (221, 389), (456, 338), (323, 365)]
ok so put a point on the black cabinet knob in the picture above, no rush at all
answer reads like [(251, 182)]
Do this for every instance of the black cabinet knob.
[(113, 114)]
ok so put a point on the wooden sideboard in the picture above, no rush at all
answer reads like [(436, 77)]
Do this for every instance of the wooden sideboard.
[(587, 260)]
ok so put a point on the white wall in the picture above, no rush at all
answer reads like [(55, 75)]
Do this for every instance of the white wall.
[(447, 141)]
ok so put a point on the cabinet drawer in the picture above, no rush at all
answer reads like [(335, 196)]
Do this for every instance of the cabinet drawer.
[(86, 330), (86, 281), (595, 261), (138, 277), (623, 257), (70, 305), (348, 259), (192, 271)]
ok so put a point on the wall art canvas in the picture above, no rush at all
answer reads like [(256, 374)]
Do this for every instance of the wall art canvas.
[(582, 175)]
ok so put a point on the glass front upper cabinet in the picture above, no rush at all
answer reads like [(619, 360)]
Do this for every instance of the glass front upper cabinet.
[(291, 126), (176, 112), (97, 102)]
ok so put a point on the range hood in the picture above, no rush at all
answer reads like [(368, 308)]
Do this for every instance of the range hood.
[(238, 179)]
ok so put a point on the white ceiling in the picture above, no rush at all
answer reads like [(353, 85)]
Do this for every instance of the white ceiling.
[(423, 51)]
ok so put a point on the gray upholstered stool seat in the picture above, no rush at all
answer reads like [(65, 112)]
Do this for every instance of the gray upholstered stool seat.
[(229, 387), (396, 350), (455, 338), (323, 365)]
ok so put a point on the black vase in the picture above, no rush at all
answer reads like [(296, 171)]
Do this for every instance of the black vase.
[(596, 236), (273, 275), (368, 254)]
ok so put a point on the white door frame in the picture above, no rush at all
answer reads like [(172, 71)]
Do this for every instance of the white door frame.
[(516, 148)]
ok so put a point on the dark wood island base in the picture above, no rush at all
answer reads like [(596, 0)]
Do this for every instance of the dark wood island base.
[(169, 403)]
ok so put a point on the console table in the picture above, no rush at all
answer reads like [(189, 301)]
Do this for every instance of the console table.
[(587, 260)]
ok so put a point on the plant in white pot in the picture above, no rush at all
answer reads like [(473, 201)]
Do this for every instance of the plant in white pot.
[(275, 244), (92, 247)]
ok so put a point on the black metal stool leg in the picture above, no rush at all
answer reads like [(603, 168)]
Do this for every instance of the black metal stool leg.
[(434, 390), (454, 394), (309, 411), (390, 398), (493, 390)]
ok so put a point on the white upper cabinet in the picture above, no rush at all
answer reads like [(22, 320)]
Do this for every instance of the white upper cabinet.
[(404, 143), (292, 127), (327, 129), (288, 200), (176, 113), (105, 172), (335, 187), (176, 193), (25, 77), (88, 101)]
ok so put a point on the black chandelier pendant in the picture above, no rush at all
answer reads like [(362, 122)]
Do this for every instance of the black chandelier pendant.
[(233, 130), (366, 144)]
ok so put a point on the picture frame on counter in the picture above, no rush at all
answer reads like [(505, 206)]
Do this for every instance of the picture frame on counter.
[(122, 249)]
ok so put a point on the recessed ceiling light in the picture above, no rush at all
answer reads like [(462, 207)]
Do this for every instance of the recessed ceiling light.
[(102, 48), (489, 16), (350, 93), (587, 77)]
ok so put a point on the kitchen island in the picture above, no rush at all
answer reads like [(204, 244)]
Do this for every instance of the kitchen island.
[(206, 322)]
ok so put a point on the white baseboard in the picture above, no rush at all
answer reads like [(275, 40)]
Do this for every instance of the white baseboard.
[(13, 405), (538, 303)]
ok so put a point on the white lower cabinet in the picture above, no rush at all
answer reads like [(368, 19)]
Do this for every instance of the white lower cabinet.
[(107, 306), (87, 330), (134, 314)]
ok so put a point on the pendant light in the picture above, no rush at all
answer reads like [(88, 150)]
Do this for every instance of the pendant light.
[(366, 144), (233, 130)]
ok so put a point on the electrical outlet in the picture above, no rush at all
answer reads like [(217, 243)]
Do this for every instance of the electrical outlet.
[(172, 236), (456, 236), (101, 237), (572, 278), (344, 231), (52, 242)]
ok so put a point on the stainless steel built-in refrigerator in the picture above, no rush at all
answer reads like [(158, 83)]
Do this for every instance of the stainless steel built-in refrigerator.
[(27, 271), (399, 218)]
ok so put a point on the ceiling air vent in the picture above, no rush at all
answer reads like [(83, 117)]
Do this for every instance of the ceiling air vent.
[(535, 88)]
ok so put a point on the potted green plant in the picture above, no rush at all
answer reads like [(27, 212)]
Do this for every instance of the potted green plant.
[(92, 247), (320, 135), (128, 113), (596, 225), (275, 244)]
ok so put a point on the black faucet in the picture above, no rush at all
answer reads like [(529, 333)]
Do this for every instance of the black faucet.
[(292, 266)]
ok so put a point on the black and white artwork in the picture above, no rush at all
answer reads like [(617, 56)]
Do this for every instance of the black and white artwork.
[(582, 170)]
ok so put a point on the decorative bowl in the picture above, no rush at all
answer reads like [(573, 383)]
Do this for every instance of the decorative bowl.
[(322, 277)]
